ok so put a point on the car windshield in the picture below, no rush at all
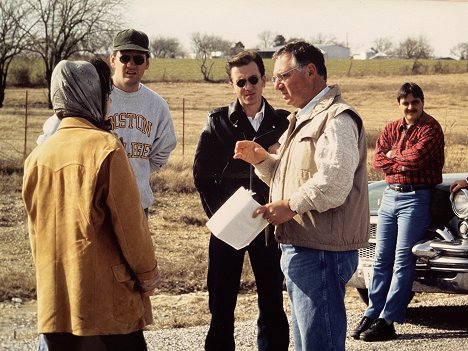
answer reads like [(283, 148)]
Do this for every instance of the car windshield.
[(376, 189)]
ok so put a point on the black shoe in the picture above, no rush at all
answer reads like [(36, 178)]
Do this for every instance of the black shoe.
[(363, 325), (379, 331)]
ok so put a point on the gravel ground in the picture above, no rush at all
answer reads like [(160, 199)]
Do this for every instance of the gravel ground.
[(439, 324)]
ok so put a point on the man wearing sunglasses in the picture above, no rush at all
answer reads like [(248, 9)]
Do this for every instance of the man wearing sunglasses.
[(318, 199), (139, 116), (217, 176)]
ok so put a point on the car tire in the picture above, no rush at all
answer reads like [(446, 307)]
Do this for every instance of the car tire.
[(364, 295)]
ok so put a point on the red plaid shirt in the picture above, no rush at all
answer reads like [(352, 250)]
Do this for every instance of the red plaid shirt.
[(417, 152)]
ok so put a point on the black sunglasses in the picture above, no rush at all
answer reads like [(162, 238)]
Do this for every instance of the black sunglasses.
[(137, 59), (242, 82)]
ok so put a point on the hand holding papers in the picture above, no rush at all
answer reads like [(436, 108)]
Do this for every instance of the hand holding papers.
[(233, 222)]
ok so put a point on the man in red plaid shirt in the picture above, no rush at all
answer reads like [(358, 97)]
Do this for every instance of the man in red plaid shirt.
[(410, 151)]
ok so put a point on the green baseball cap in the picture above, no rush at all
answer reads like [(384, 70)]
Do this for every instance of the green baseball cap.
[(131, 39)]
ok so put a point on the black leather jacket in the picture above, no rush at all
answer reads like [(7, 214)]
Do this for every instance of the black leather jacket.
[(216, 173)]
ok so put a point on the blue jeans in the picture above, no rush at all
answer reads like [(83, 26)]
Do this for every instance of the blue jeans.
[(316, 283), (224, 273), (403, 221)]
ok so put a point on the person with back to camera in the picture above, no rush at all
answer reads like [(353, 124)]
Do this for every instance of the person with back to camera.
[(93, 253), (138, 115), (217, 176), (318, 198), (410, 151)]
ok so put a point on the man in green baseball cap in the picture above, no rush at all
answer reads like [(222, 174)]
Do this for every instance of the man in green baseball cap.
[(136, 108), (138, 115), (131, 39)]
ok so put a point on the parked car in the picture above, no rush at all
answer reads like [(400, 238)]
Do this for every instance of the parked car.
[(442, 264)]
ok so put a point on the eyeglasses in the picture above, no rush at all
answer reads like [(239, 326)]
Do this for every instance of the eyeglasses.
[(282, 76), (137, 59), (242, 82)]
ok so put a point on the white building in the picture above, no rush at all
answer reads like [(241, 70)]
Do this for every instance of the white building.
[(334, 51), (370, 55)]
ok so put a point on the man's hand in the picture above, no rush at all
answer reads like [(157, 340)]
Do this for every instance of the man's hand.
[(273, 149), (276, 213), (458, 184), (250, 152)]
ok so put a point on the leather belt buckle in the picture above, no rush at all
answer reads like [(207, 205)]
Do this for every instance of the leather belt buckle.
[(400, 188)]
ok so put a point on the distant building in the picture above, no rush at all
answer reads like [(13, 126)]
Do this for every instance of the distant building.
[(217, 54), (370, 55), (332, 51), (212, 55), (268, 52), (365, 55)]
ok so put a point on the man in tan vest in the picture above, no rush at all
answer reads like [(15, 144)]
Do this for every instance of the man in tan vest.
[(318, 199)]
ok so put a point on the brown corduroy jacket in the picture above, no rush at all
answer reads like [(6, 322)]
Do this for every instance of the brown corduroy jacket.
[(89, 235)]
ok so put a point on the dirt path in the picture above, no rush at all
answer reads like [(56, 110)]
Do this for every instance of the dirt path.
[(437, 321)]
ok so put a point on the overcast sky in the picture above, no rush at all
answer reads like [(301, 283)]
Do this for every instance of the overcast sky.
[(358, 23)]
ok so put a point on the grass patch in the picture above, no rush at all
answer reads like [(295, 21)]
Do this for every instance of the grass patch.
[(29, 72), (177, 221)]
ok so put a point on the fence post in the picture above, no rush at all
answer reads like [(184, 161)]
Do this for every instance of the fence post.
[(183, 126), (25, 125)]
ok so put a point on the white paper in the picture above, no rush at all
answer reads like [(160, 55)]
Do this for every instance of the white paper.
[(233, 222)]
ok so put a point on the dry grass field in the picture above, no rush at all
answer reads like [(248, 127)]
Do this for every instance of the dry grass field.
[(177, 220)]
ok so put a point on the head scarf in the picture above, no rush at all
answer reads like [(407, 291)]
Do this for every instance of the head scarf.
[(76, 91)]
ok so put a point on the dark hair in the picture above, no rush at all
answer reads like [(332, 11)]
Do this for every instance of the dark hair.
[(104, 73), (243, 58), (410, 88), (304, 53)]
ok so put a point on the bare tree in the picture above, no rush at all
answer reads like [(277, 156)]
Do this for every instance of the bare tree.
[(384, 45), (413, 48), (166, 47), (294, 39), (279, 40), (236, 48), (67, 28), (266, 39), (321, 38), (204, 46), (460, 50), (13, 18)]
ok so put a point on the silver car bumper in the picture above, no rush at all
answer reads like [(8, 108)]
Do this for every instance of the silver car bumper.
[(442, 273)]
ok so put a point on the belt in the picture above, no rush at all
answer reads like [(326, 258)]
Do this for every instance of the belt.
[(406, 188)]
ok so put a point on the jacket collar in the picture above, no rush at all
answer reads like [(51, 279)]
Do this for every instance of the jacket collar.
[(324, 103), (239, 120), (82, 122), (421, 120), (75, 122), (312, 103)]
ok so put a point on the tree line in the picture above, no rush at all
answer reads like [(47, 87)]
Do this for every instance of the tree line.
[(54, 30)]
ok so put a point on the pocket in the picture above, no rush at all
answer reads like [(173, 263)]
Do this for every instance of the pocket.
[(127, 300), (347, 264)]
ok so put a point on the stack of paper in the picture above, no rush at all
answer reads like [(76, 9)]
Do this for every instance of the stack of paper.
[(233, 222)]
